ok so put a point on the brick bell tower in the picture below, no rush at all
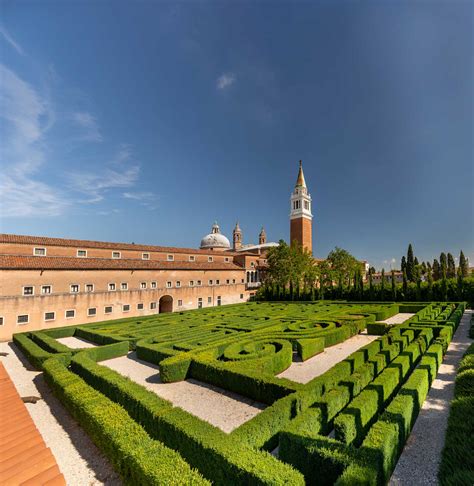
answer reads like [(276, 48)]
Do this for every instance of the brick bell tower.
[(301, 219)]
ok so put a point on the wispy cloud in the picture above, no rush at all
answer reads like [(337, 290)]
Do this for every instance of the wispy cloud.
[(117, 173), (146, 199), (28, 186), (88, 123), (6, 35), (225, 80), (25, 115)]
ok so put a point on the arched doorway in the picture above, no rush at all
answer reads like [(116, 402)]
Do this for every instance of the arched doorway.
[(165, 304)]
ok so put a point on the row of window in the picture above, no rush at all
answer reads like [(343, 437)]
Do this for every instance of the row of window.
[(118, 255), (75, 288), (108, 309)]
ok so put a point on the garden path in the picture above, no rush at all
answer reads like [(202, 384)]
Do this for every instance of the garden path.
[(421, 456)]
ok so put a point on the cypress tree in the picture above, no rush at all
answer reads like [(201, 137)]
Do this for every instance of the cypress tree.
[(436, 270), (451, 271), (444, 286), (403, 266), (463, 265), (361, 286), (410, 263), (416, 262), (443, 263), (394, 287)]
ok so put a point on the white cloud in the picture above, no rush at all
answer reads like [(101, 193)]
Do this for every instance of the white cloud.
[(26, 119), (88, 123), (6, 35), (225, 81), (146, 199)]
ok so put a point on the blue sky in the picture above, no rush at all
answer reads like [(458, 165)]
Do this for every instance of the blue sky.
[(147, 121)]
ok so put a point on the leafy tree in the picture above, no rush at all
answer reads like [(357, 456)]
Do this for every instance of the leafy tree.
[(416, 262), (371, 287), (410, 263), (463, 265), (430, 284), (342, 265), (423, 268), (451, 270), (372, 270)]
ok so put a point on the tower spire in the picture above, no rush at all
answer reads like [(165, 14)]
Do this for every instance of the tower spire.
[(300, 182)]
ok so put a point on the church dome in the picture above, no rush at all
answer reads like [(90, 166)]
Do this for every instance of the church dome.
[(215, 240)]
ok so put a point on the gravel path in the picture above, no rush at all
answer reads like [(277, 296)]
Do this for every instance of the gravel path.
[(219, 407), (398, 318), (76, 343), (302, 372), (421, 456), (81, 463)]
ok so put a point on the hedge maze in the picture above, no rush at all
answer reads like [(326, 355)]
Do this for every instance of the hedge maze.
[(347, 426)]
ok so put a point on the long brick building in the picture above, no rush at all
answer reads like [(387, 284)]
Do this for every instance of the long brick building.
[(51, 282)]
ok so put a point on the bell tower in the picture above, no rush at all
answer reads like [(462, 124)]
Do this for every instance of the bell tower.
[(237, 237), (262, 237), (301, 218)]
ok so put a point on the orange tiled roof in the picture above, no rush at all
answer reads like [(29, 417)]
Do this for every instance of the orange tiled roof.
[(45, 241), (25, 458), (14, 262)]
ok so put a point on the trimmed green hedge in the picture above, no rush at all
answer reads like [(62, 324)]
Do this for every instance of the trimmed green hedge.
[(137, 458), (457, 461), (34, 353)]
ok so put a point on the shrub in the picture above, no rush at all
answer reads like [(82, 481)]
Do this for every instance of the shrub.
[(137, 458), (34, 353)]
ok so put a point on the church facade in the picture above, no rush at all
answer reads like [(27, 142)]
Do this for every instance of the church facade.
[(52, 282)]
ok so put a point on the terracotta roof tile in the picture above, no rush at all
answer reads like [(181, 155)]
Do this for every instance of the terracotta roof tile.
[(45, 241), (13, 262)]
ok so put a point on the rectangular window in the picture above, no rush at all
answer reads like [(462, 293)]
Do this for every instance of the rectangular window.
[(252, 264), (89, 287), (82, 253), (192, 258), (152, 305), (126, 307), (140, 306), (23, 319), (74, 288), (1, 321), (112, 287), (226, 259), (108, 309), (49, 316), (92, 311), (39, 252), (219, 300), (211, 282), (200, 303), (178, 284), (116, 254), (209, 300), (180, 303), (198, 283), (145, 256), (210, 259), (233, 280), (153, 285), (227, 281), (218, 282), (242, 281), (241, 296), (170, 258), (168, 285), (71, 313), (191, 283), (124, 286), (143, 285), (28, 290), (46, 289)]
